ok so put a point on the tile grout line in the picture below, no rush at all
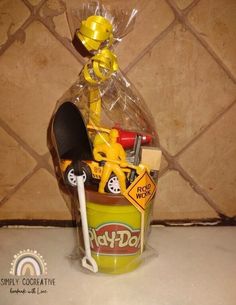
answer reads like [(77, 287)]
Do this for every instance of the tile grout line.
[(41, 160), (19, 185), (183, 18), (29, 6), (217, 59), (34, 8), (12, 38), (198, 189), (172, 162), (164, 171), (51, 170), (189, 222), (157, 38), (201, 133), (184, 11), (174, 165), (38, 158), (149, 46), (64, 41), (35, 16), (36, 168)]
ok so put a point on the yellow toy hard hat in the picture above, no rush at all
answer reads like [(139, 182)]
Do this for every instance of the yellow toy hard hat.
[(114, 133)]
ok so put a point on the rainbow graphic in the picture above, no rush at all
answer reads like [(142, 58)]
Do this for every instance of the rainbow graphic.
[(28, 263)]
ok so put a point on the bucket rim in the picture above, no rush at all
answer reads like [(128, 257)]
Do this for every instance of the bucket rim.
[(106, 198)]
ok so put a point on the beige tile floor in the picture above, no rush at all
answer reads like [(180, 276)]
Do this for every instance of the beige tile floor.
[(180, 56), (194, 266)]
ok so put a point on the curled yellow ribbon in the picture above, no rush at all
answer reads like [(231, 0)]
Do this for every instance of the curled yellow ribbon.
[(101, 67), (94, 31)]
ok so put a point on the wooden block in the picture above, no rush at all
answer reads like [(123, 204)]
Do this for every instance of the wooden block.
[(151, 156)]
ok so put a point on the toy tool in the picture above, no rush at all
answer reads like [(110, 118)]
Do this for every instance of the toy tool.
[(137, 147), (128, 138), (72, 142)]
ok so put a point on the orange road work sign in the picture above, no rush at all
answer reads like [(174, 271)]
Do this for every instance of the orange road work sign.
[(141, 191)]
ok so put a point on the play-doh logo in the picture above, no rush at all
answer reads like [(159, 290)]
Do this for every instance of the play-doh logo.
[(114, 239), (28, 263)]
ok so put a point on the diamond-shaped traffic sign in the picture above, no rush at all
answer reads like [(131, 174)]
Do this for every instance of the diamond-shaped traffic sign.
[(141, 191)]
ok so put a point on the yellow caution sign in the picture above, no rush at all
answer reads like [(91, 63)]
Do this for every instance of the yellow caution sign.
[(141, 191)]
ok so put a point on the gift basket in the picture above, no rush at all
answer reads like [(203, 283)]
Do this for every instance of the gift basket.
[(106, 143)]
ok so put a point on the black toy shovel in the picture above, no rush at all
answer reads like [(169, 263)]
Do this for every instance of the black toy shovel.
[(72, 142)]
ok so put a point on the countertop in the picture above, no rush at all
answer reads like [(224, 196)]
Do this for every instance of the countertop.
[(183, 266)]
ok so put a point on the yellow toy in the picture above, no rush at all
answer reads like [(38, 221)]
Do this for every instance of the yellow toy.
[(93, 170), (92, 173), (114, 155)]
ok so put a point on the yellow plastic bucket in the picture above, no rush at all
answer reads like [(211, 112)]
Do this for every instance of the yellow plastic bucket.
[(114, 232)]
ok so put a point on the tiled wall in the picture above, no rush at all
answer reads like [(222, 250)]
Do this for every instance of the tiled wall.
[(181, 57)]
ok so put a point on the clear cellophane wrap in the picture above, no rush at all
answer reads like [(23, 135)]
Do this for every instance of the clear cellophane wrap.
[(107, 100)]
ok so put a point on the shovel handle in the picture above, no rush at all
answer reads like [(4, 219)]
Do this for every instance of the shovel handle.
[(88, 261)]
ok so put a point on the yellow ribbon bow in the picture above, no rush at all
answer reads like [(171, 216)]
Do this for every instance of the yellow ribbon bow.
[(95, 32)]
